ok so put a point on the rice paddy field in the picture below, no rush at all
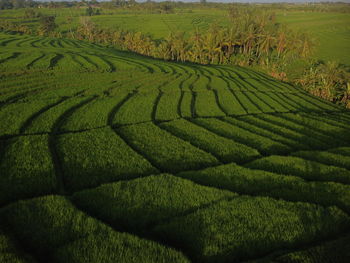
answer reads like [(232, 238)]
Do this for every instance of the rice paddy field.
[(330, 31), (107, 156)]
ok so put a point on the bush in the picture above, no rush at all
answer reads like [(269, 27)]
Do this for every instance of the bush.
[(47, 25), (31, 13), (329, 81)]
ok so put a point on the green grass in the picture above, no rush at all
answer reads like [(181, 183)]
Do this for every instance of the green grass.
[(107, 156)]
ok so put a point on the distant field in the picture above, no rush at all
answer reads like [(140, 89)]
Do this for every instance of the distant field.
[(330, 30), (107, 156), (157, 25), (160, 25)]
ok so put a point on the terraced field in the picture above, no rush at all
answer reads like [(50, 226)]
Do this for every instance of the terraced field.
[(106, 156)]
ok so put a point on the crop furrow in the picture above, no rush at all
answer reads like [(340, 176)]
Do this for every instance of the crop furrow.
[(29, 121), (168, 130), (5, 42), (54, 60), (287, 102), (113, 113), (13, 56), (19, 43), (53, 146), (218, 102), (155, 105), (33, 43), (309, 101), (30, 64)]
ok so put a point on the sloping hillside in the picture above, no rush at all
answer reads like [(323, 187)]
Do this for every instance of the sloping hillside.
[(106, 156)]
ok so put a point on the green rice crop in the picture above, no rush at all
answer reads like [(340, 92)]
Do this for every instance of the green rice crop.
[(152, 159), (308, 170), (165, 150), (229, 102), (140, 203), (55, 229), (225, 149), (138, 108), (26, 169), (329, 251), (206, 105), (213, 230), (257, 182), (167, 107), (262, 144), (186, 104), (98, 156), (13, 116), (93, 114), (326, 158)]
